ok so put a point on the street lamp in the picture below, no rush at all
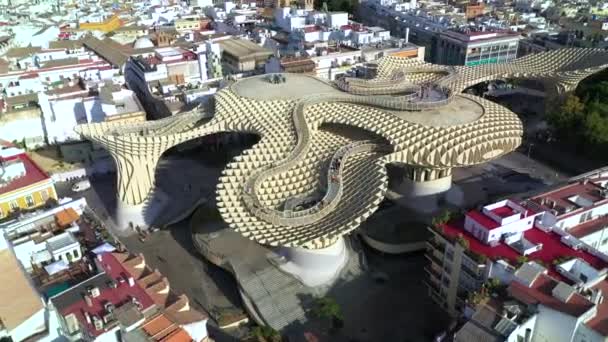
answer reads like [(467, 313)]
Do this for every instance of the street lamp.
[(530, 149)]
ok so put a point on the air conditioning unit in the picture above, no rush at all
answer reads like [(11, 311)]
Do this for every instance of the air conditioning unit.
[(109, 307), (108, 317), (97, 323), (93, 291)]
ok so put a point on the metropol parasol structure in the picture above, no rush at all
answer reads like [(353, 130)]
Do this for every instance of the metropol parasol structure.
[(301, 187)]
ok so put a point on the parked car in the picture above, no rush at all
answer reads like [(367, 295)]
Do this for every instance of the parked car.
[(81, 185)]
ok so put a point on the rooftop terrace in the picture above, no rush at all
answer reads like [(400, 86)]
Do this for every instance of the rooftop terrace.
[(552, 248)]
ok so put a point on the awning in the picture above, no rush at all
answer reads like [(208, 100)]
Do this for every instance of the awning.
[(56, 267), (104, 248), (66, 217)]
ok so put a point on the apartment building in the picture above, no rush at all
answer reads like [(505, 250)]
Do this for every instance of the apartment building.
[(23, 184), (127, 301), (558, 278), (475, 48), (241, 56), (580, 208)]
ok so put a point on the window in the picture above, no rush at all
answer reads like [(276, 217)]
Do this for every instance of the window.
[(45, 195), (586, 217), (605, 241), (14, 205), (76, 256), (29, 200)]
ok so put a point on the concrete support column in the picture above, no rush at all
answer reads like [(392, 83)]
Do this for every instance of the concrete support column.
[(135, 182), (422, 188), (314, 267)]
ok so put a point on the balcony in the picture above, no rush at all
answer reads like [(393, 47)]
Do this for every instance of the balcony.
[(474, 275), (435, 275), (433, 287), (436, 245), (432, 256)]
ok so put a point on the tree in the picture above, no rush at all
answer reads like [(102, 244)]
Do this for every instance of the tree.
[(265, 334), (568, 120), (442, 218), (327, 308), (462, 241), (522, 259)]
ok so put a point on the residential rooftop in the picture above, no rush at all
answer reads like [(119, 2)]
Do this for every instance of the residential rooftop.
[(552, 248), (92, 297), (33, 173), (20, 300), (572, 198)]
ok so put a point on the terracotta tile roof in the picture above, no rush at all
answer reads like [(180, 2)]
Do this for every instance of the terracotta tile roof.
[(66, 217), (181, 312), (589, 227), (541, 293), (73, 302), (177, 308), (162, 329), (159, 327), (179, 335)]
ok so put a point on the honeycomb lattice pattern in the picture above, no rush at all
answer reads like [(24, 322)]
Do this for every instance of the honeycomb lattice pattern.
[(292, 157)]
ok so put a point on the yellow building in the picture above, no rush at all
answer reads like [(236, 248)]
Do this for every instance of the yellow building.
[(23, 184), (106, 26)]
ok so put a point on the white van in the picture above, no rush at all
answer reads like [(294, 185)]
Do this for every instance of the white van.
[(81, 186)]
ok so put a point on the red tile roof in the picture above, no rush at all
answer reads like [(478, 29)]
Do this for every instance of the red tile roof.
[(552, 248), (310, 29), (483, 219), (504, 211), (28, 76), (117, 296), (540, 292), (33, 174)]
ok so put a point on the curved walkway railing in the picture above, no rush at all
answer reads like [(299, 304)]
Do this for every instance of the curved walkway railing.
[(400, 84), (331, 198), (327, 204)]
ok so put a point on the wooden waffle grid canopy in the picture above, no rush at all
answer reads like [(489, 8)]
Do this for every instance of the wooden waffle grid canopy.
[(292, 158)]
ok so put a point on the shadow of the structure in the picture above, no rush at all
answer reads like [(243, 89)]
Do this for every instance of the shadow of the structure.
[(391, 307)]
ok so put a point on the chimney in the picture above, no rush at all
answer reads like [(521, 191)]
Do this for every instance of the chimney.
[(88, 300), (131, 282), (407, 35), (88, 317)]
